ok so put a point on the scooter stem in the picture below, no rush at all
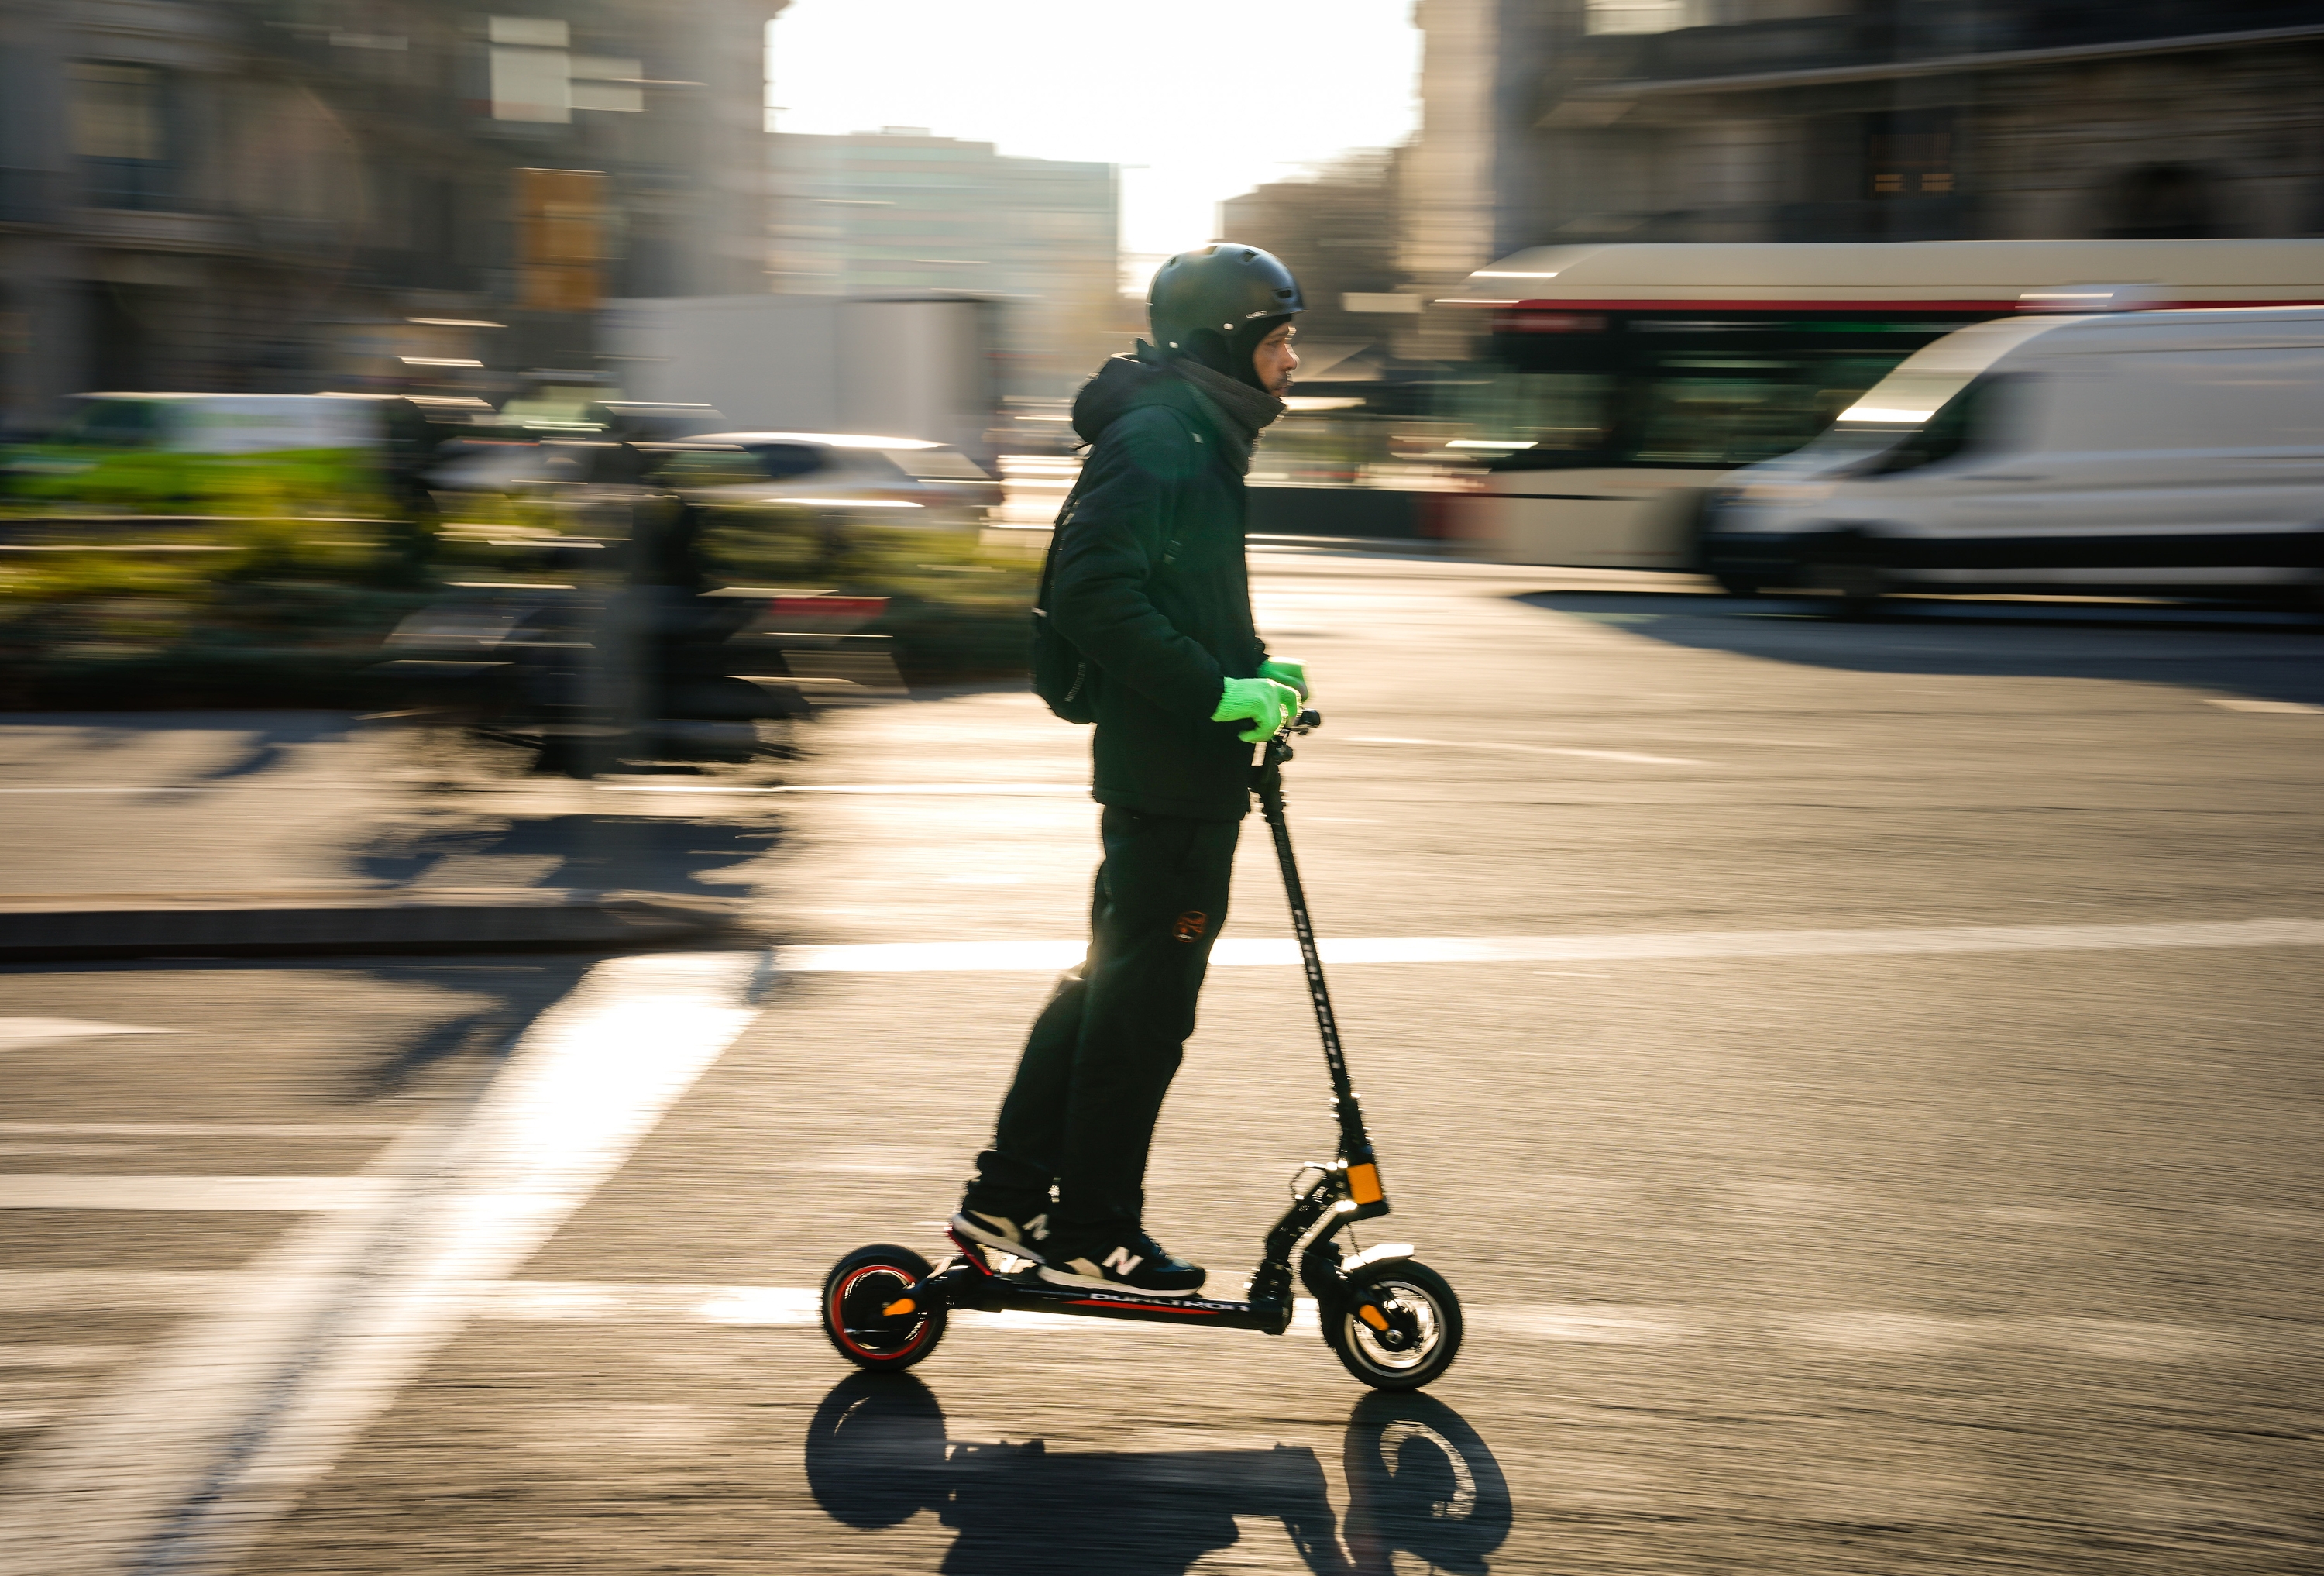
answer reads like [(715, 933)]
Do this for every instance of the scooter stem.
[(1267, 782)]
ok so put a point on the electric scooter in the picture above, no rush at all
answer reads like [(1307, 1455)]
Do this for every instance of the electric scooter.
[(1394, 1323)]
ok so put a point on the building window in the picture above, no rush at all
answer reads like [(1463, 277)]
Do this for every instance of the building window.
[(1644, 15), (531, 71), (536, 77), (1910, 154), (120, 132), (2160, 202)]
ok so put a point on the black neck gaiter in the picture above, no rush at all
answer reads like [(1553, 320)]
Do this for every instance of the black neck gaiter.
[(1242, 409)]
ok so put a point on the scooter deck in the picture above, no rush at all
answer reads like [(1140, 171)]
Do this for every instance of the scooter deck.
[(970, 1282)]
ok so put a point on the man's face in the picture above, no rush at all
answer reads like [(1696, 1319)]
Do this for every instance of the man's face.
[(1274, 360)]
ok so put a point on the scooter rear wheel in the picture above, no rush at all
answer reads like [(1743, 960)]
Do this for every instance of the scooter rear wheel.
[(858, 1298), (1423, 1320)]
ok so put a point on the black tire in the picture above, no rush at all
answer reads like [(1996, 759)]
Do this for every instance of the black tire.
[(1853, 590), (855, 1295), (1846, 566), (1429, 1302)]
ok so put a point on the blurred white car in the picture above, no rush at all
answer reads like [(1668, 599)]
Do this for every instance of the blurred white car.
[(2156, 454), (844, 477)]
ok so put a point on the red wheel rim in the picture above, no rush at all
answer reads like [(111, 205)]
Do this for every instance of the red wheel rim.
[(835, 1315)]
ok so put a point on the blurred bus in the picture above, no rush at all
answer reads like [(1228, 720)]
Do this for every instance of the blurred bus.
[(1621, 383)]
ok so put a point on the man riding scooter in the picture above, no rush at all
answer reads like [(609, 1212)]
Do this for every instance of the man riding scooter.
[(1148, 585)]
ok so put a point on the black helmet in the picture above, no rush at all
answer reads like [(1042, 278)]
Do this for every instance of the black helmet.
[(1218, 288)]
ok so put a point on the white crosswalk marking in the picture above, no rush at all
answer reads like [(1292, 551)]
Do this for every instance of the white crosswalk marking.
[(956, 956), (20, 1033), (25, 1191), (1867, 1330), (1628, 757), (208, 1129), (216, 1432)]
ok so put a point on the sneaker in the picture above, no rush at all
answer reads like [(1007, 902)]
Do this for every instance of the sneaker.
[(1120, 1260), (1021, 1234)]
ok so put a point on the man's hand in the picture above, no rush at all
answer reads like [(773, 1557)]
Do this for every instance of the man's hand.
[(1264, 702), (1283, 671)]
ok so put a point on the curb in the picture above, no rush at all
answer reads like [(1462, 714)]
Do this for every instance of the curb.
[(79, 926)]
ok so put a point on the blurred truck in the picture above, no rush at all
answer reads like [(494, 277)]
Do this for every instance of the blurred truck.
[(913, 367), (2147, 453)]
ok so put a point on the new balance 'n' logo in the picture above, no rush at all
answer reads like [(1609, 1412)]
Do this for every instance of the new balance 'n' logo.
[(1121, 1260), (1037, 1228)]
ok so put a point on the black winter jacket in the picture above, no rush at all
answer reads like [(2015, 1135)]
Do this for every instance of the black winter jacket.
[(1150, 586)]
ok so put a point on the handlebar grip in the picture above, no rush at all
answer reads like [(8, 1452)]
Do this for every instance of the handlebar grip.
[(1307, 721)]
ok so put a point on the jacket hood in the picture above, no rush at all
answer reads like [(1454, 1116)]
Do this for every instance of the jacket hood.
[(1122, 384)]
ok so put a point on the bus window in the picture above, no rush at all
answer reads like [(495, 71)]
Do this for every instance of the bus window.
[(1680, 394), (1541, 413), (1687, 413), (1707, 421)]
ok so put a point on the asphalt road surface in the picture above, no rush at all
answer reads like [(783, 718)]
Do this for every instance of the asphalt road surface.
[(1861, 1078)]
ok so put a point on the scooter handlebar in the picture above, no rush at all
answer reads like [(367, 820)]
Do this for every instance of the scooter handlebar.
[(1278, 745)]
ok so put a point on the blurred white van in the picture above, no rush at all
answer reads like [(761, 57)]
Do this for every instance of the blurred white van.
[(2174, 453)]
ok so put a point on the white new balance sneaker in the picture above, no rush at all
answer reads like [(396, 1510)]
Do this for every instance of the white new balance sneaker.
[(1123, 1259), (1026, 1236)]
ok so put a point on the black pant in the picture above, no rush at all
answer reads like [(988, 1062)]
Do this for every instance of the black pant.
[(1089, 1087)]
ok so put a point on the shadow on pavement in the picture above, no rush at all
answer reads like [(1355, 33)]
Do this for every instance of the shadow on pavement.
[(481, 1006), (661, 853), (2264, 654), (1419, 1480), (267, 741)]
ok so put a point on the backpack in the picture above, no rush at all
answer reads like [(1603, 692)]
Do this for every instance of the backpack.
[(1063, 677)]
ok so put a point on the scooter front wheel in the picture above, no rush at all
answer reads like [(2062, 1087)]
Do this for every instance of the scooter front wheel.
[(1397, 1325), (869, 1314)]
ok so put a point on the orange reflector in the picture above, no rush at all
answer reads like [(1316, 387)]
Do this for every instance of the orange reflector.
[(900, 1305), (1372, 1316), (1363, 1184)]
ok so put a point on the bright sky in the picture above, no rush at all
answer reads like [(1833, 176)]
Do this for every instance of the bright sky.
[(1197, 99)]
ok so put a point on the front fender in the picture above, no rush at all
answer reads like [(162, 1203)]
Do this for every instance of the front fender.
[(1378, 1254)]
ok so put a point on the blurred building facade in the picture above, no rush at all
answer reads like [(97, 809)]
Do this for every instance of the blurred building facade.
[(1549, 121), (901, 212), (1337, 231), (290, 195)]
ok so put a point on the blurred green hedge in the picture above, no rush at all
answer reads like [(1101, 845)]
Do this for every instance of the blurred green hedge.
[(957, 604), (290, 612)]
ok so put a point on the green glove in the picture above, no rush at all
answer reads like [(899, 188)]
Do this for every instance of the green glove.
[(1283, 671), (1260, 701)]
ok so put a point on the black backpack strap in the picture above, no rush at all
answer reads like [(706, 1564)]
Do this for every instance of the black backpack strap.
[(1049, 558)]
